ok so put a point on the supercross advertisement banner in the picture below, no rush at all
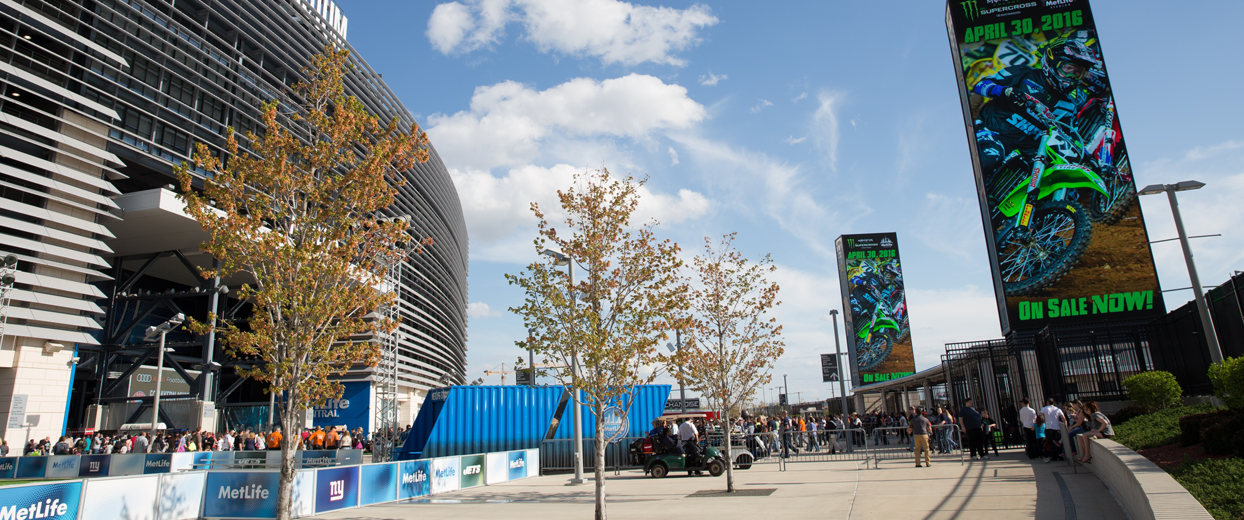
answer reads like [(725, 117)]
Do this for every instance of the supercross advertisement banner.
[(1066, 238), (877, 330)]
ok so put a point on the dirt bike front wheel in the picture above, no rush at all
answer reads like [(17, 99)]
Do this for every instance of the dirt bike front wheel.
[(1108, 209), (1057, 236), (872, 352)]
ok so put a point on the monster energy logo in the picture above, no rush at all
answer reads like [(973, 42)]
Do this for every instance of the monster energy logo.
[(850, 242), (969, 9)]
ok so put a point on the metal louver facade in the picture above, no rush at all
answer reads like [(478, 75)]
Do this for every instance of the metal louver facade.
[(100, 100)]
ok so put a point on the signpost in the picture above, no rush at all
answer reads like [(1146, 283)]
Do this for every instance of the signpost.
[(829, 368), (522, 377)]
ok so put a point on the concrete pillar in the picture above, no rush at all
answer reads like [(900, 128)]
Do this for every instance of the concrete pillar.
[(928, 395)]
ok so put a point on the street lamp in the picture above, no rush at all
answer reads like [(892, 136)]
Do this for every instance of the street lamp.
[(161, 330), (560, 259), (682, 390), (1207, 323)]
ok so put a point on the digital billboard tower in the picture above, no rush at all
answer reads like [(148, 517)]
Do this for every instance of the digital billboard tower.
[(1066, 239), (875, 304)]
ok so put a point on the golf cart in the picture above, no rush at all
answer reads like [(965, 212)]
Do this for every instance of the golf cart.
[(658, 461)]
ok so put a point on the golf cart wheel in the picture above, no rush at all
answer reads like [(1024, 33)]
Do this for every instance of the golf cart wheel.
[(743, 461), (659, 470), (716, 468)]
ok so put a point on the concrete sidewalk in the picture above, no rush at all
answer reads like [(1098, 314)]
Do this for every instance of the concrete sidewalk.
[(1004, 487)]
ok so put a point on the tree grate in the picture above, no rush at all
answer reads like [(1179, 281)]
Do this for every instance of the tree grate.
[(737, 493)]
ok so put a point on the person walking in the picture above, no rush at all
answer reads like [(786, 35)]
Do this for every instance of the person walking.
[(970, 422), (1054, 419), (989, 428), (919, 428), (1027, 420), (689, 437)]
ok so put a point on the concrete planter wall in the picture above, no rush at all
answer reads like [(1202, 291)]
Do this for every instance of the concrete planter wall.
[(1145, 491)]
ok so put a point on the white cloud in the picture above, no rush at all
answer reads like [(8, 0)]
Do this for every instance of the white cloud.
[(802, 96), (763, 103), (712, 79), (941, 316), (481, 310), (825, 127), (792, 140), (613, 31), (508, 121), (673, 157), (952, 226)]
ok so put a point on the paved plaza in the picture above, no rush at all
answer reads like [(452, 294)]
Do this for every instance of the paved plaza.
[(1006, 487)]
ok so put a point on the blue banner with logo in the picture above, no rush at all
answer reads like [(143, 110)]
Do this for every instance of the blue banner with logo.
[(414, 479), (8, 467), (46, 502), (94, 465), (336, 488), (236, 494), (377, 483), (32, 467), (157, 463), (353, 410), (518, 465)]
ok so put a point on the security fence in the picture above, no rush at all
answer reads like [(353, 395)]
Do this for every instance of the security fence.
[(894, 443)]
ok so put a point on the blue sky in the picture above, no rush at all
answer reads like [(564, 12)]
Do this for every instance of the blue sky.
[(790, 123)]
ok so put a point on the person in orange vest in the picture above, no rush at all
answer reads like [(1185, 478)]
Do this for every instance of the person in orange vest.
[(331, 442), (274, 439), (317, 438)]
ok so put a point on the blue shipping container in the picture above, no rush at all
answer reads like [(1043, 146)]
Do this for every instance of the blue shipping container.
[(461, 420)]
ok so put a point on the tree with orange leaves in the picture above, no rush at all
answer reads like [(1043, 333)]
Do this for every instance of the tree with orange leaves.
[(299, 212)]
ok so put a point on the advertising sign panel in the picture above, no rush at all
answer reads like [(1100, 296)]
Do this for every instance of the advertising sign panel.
[(157, 463), (472, 471), (142, 382), (336, 488), (877, 330), (498, 470), (126, 464), (353, 410), (1066, 239), (518, 465), (181, 495), (445, 475), (46, 502), (8, 466), (62, 466), (240, 494), (414, 479), (129, 498), (94, 465), (378, 483), (33, 467)]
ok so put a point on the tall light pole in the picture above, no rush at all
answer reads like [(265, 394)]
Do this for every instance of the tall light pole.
[(161, 330), (560, 259), (786, 392), (842, 384), (682, 389), (1207, 322)]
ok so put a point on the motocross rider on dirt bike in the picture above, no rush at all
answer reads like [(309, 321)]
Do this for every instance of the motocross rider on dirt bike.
[(1005, 124)]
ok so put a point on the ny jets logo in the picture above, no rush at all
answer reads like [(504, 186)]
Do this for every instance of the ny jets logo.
[(969, 9)]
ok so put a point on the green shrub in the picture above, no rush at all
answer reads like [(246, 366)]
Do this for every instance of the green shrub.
[(1155, 429), (1228, 380), (1153, 391), (1191, 426), (1218, 437), (1217, 484), (1126, 414)]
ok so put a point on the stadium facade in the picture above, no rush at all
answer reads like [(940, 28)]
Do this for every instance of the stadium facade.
[(101, 98)]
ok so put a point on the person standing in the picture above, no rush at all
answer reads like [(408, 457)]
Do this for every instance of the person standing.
[(1028, 419), (689, 437), (1054, 419), (920, 427), (989, 429), (141, 443), (970, 423)]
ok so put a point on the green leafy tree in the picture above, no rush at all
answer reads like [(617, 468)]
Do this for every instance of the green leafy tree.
[(1228, 380), (733, 341), (611, 321), (299, 214)]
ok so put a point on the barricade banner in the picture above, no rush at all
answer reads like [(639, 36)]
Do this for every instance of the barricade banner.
[(94, 465), (304, 493), (8, 467), (498, 469), (65, 466), (43, 501), (181, 495), (518, 464), (126, 464), (349, 457), (112, 498), (31, 467), (181, 461), (241, 494), (445, 475), (336, 488), (377, 483), (318, 458), (157, 463), (533, 463), (414, 479), (472, 471), (242, 460)]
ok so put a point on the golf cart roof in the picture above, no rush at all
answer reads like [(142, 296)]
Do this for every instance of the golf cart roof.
[(676, 416)]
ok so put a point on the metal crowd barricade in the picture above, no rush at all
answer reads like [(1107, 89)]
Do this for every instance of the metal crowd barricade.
[(893, 443), (801, 446), (558, 454)]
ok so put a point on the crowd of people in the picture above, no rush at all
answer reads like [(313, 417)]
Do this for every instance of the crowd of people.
[(318, 438)]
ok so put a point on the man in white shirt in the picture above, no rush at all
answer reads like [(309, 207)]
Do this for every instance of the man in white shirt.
[(1028, 418), (689, 437), (1054, 419)]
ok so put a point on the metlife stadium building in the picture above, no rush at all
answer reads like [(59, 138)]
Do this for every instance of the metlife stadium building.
[(100, 99)]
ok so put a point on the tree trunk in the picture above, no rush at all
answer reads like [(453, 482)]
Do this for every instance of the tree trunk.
[(729, 452), (289, 443), (599, 442)]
